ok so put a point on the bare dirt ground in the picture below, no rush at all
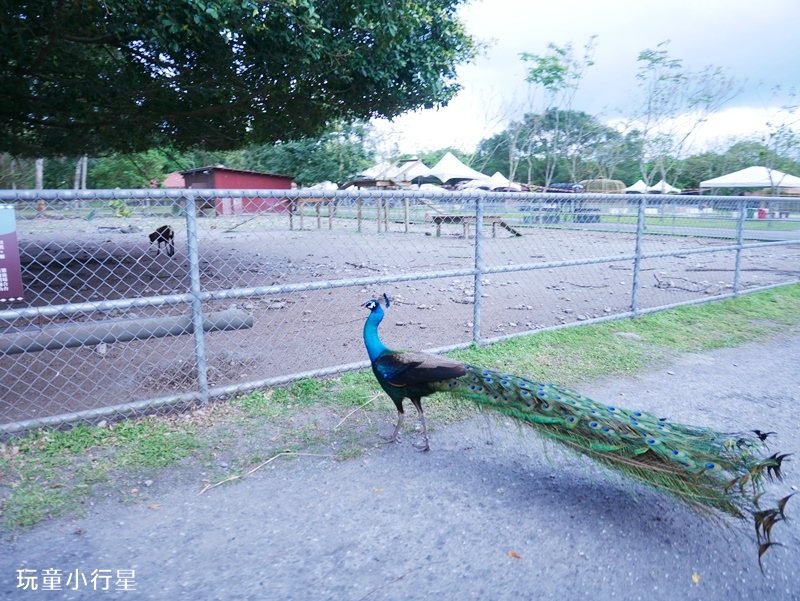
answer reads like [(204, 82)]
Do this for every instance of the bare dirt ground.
[(70, 262)]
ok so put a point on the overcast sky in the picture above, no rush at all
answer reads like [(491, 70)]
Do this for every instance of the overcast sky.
[(755, 42)]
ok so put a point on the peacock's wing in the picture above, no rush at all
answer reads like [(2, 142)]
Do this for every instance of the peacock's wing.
[(411, 368)]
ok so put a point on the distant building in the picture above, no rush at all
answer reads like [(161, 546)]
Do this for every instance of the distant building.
[(174, 180), (222, 178)]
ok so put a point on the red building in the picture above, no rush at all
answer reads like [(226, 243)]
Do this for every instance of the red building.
[(237, 179)]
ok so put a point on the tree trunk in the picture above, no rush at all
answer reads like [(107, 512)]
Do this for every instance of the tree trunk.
[(39, 174), (76, 183)]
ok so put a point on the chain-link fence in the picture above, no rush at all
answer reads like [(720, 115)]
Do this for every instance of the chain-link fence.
[(265, 287)]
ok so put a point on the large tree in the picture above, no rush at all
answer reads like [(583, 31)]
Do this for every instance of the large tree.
[(337, 155), (94, 76), (556, 76), (553, 146), (674, 102)]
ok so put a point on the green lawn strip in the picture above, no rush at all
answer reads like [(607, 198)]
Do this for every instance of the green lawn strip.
[(50, 473), (714, 222)]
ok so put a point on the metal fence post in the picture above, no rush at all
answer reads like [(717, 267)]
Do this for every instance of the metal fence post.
[(476, 307), (739, 241), (197, 304), (638, 257)]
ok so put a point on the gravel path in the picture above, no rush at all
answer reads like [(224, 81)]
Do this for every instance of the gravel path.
[(489, 514)]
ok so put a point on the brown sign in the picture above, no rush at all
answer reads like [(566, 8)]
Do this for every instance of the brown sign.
[(10, 270)]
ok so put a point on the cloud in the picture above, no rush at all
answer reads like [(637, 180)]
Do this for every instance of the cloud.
[(755, 43)]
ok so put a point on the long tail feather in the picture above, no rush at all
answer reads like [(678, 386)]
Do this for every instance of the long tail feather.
[(699, 466)]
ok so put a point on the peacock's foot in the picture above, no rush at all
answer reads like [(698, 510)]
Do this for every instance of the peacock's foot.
[(395, 437), (422, 446)]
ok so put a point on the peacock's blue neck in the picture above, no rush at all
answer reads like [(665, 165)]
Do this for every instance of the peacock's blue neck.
[(371, 339)]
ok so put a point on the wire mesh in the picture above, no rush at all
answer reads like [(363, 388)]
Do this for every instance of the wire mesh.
[(111, 316)]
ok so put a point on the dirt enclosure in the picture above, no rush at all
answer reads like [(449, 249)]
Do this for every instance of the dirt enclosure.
[(78, 261)]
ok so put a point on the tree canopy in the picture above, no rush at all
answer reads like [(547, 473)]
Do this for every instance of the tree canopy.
[(91, 76), (552, 146), (337, 155)]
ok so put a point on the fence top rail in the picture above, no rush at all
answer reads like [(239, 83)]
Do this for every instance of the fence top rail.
[(301, 194)]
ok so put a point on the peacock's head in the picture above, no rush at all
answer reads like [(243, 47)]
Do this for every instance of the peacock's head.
[(373, 304)]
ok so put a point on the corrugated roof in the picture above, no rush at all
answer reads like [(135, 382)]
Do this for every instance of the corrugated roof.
[(223, 168)]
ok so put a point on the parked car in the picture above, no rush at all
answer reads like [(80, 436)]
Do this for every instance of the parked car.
[(564, 188)]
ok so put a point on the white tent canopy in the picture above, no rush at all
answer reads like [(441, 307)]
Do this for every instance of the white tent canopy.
[(474, 184), (408, 170), (326, 185), (376, 171), (639, 187), (498, 180), (405, 171), (450, 168), (753, 177), (663, 187)]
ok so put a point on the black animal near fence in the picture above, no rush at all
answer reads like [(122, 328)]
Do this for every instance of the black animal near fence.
[(164, 235)]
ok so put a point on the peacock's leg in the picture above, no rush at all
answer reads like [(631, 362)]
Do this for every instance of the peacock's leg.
[(426, 446), (394, 437)]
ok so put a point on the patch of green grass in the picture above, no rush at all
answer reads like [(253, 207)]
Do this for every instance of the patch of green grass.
[(49, 473), (41, 486), (350, 390), (34, 503), (75, 440), (354, 389), (566, 355), (303, 438), (705, 222), (92, 474), (581, 353), (304, 393), (728, 323), (154, 443), (349, 450), (260, 404)]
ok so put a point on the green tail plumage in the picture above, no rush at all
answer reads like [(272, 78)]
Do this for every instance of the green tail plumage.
[(706, 469), (699, 466)]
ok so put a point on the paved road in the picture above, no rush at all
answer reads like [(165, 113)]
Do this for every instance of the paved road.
[(488, 514)]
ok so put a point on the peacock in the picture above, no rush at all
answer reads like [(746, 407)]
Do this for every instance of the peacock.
[(709, 470)]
